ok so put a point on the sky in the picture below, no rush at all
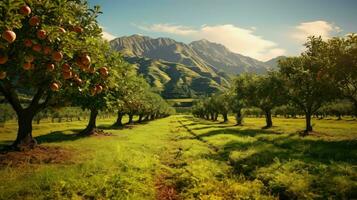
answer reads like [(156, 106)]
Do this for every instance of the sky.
[(262, 29)]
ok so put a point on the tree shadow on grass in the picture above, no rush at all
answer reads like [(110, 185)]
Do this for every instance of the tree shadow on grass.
[(270, 155), (59, 136)]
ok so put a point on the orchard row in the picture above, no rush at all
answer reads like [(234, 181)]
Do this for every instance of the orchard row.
[(321, 81), (52, 53)]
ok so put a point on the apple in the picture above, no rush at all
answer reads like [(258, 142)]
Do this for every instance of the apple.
[(78, 80), (28, 43), (2, 75), (66, 67), (62, 30), (50, 67), (78, 29), (37, 47), (41, 34), (99, 88), (29, 58), (103, 71), (25, 10), (91, 70), (34, 21), (93, 91), (3, 59), (9, 36), (67, 74), (57, 56), (54, 87), (47, 50), (27, 66), (85, 60)]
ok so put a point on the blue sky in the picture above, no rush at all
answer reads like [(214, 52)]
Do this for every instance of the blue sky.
[(258, 28)]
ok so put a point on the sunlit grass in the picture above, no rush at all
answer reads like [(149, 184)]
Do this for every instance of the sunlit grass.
[(202, 159)]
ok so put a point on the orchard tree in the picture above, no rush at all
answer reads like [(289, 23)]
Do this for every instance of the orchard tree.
[(38, 38), (100, 83), (308, 84), (266, 92), (237, 98), (342, 54)]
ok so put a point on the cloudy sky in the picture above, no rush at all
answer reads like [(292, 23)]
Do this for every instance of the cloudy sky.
[(262, 29)]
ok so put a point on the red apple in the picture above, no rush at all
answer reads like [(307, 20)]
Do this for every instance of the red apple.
[(67, 74), (47, 50), (2, 75), (3, 59), (50, 67), (78, 80), (93, 91), (37, 47), (54, 87), (27, 66), (99, 88), (41, 34), (91, 70), (34, 21), (103, 71), (9, 36), (25, 10), (29, 58), (28, 43), (85, 60), (62, 30), (78, 29), (57, 56), (66, 67)]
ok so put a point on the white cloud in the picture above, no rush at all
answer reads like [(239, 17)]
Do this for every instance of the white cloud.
[(314, 28), (238, 40), (168, 28), (107, 36)]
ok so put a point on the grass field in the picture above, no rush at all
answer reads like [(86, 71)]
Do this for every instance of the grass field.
[(181, 157)]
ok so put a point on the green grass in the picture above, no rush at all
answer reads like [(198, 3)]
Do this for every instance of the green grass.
[(200, 159)]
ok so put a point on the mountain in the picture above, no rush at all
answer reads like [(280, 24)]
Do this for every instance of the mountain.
[(223, 59), (180, 70), (273, 63), (174, 80)]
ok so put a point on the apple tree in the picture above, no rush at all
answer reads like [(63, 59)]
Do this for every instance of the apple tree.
[(42, 51)]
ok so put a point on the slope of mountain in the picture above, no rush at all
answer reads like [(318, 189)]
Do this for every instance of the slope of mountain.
[(174, 80), (273, 63), (179, 70), (223, 59)]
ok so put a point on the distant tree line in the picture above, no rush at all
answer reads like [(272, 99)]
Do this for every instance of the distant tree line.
[(321, 81)]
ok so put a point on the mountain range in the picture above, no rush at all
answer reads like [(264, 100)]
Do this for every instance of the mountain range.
[(179, 70)]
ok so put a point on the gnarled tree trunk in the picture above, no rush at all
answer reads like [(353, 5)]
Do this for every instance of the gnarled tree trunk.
[(131, 119), (269, 121), (308, 123), (239, 118), (90, 129), (24, 139), (119, 122), (225, 117), (140, 118)]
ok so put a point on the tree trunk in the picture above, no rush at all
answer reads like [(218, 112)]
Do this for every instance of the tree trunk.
[(130, 119), (24, 139), (119, 120), (90, 129), (308, 123), (239, 118), (269, 121), (140, 118), (225, 117)]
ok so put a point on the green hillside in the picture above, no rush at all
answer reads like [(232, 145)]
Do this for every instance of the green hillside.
[(174, 80)]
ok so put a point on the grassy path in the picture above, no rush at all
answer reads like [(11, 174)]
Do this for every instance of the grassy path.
[(181, 157)]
